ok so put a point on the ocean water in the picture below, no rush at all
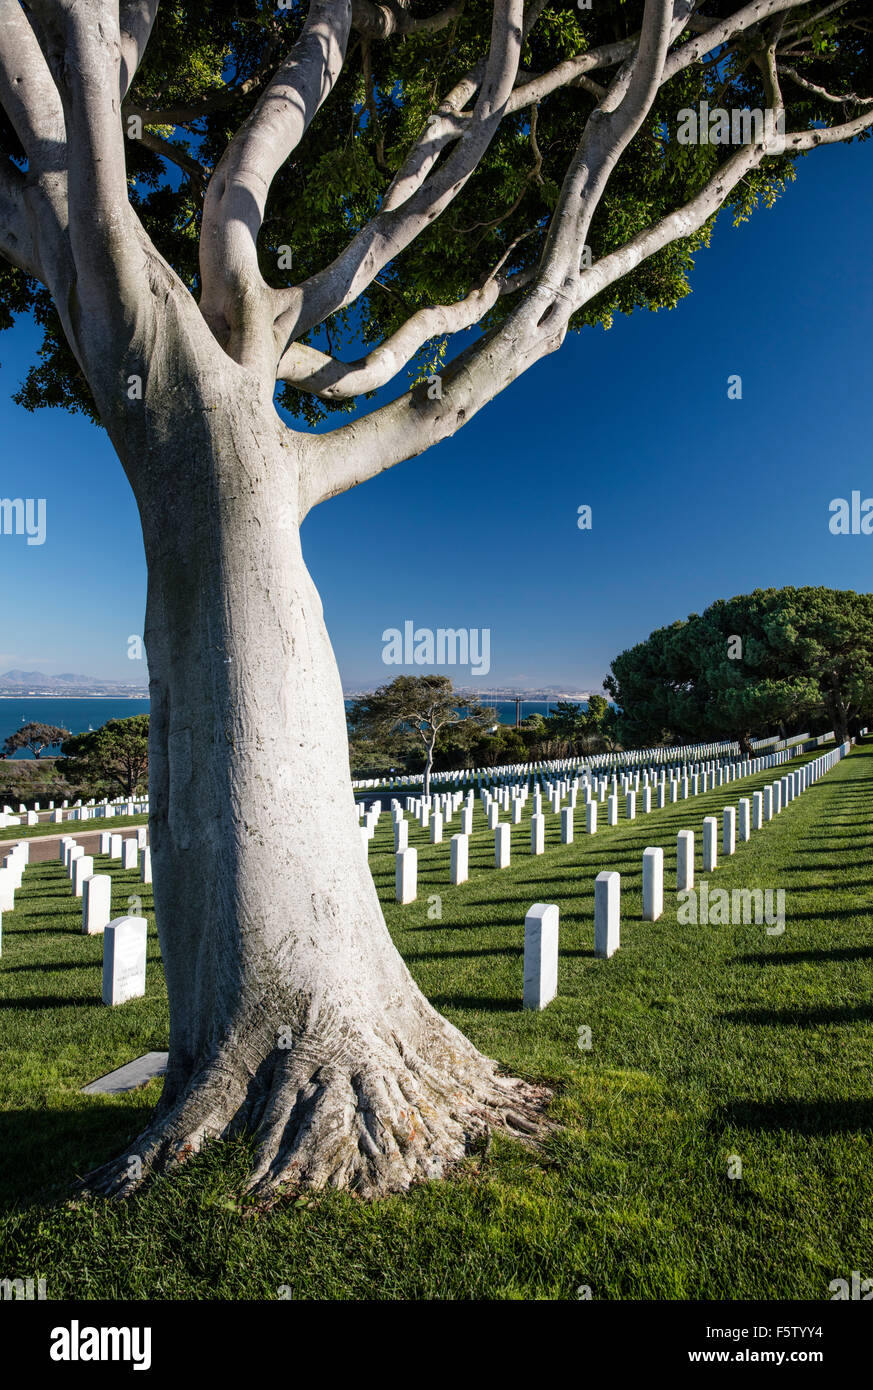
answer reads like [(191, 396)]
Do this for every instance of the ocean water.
[(80, 715), (76, 715), (506, 708)]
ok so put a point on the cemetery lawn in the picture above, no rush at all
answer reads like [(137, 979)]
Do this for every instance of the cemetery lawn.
[(68, 827), (710, 1046)]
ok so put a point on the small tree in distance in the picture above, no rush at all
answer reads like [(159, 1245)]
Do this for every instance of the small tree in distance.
[(115, 756), (427, 704), (36, 737)]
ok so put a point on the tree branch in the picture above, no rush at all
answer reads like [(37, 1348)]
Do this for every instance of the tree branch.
[(107, 241), (412, 423), (168, 149), (27, 92), (844, 99), (323, 376), (237, 303), (392, 229), (136, 21), (380, 21), (16, 237)]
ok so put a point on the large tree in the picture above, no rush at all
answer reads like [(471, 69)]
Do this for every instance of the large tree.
[(427, 705), (115, 756), (749, 665), (36, 737), (204, 201)]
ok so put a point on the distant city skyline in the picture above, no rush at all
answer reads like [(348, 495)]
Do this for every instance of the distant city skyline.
[(694, 496)]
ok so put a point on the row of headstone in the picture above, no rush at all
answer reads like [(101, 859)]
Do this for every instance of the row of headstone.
[(11, 874), (124, 951), (673, 756), (434, 812), (90, 810), (541, 923)]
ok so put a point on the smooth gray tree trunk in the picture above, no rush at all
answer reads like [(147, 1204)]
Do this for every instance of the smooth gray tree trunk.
[(292, 1015)]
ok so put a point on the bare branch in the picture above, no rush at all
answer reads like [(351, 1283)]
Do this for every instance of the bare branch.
[(607, 134), (839, 99), (27, 92), (392, 229), (237, 303), (323, 376), (380, 21), (16, 236), (411, 424), (722, 32), (169, 149), (105, 236), (136, 21)]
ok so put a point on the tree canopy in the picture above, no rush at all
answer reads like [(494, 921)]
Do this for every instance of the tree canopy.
[(414, 210), (113, 757), (750, 665), (37, 737), (425, 705)]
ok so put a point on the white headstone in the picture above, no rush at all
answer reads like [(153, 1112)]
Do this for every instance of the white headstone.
[(710, 843), (501, 847), (684, 860), (607, 907), (540, 956), (129, 854), (537, 834), (406, 875), (744, 819), (567, 825), (7, 891), (124, 959), (653, 884), (96, 903), (729, 830), (83, 867), (460, 854)]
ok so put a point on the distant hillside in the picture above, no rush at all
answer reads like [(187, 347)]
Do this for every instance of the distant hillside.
[(66, 683)]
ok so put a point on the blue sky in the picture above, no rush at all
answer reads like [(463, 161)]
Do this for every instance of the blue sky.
[(694, 496)]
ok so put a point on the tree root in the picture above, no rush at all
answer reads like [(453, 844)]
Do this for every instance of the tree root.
[(381, 1125)]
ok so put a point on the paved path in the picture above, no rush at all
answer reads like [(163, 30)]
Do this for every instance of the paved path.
[(44, 848)]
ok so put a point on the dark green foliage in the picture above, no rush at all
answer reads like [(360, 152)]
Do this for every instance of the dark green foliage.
[(756, 664), (200, 56)]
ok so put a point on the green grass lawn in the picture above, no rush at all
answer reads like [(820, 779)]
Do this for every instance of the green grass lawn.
[(709, 1045), (69, 827)]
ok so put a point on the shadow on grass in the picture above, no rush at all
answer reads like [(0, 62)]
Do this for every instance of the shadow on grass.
[(44, 1152), (797, 957), (803, 1116), (60, 1001), (483, 1002), (803, 1018)]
